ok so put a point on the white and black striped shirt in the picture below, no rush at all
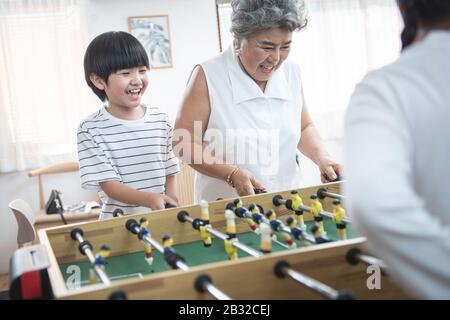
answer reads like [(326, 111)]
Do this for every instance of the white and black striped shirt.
[(137, 153)]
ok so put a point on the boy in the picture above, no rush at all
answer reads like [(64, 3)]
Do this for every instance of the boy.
[(124, 149)]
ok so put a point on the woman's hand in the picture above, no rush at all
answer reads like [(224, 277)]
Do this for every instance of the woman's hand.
[(329, 170), (245, 183)]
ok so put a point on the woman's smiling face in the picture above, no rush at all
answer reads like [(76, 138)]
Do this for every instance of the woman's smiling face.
[(263, 53)]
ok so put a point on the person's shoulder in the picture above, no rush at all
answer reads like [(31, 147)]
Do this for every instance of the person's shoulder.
[(93, 118), (155, 114), (218, 60)]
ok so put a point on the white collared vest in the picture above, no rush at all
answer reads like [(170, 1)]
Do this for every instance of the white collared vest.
[(256, 130)]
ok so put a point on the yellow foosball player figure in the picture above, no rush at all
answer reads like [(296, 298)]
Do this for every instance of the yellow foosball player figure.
[(100, 260), (148, 250), (204, 218), (296, 202), (316, 207), (266, 238), (338, 214), (231, 233)]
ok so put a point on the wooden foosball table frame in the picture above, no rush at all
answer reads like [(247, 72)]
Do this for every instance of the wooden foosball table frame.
[(248, 278)]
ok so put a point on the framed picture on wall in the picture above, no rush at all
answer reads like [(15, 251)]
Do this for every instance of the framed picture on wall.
[(154, 34)]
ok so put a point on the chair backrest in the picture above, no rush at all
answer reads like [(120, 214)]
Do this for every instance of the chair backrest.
[(25, 221), (56, 168), (185, 185)]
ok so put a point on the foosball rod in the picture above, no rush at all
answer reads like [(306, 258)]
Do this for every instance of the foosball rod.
[(244, 213), (322, 193), (282, 269), (278, 201), (355, 255), (85, 248), (133, 227), (204, 283), (183, 216)]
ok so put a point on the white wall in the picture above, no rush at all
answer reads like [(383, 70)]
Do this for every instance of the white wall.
[(194, 36)]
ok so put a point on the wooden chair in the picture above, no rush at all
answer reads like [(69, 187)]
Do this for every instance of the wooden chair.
[(25, 221), (42, 219), (56, 168), (185, 185)]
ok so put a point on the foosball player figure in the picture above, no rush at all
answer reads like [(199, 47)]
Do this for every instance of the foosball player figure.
[(316, 207), (231, 235), (296, 202), (318, 235), (297, 232), (277, 226), (204, 218), (238, 207), (338, 214), (143, 223), (100, 260), (257, 215), (266, 238), (169, 253)]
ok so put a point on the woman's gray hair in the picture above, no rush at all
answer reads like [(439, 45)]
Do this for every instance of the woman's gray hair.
[(250, 16)]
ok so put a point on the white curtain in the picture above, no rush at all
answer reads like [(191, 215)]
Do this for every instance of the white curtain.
[(43, 94), (344, 39)]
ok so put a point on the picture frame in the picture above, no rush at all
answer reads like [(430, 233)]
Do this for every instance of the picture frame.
[(154, 34)]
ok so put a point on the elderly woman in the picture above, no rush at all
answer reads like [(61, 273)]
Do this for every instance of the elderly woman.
[(243, 115)]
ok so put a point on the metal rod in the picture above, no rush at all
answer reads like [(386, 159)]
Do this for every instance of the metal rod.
[(179, 264), (369, 260), (90, 255), (224, 237), (322, 193), (313, 284), (265, 220), (219, 295), (324, 213)]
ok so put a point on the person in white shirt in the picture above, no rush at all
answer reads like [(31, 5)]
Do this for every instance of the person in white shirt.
[(125, 149), (397, 154), (243, 118)]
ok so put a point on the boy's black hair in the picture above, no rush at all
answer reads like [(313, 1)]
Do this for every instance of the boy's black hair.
[(112, 51), (429, 12)]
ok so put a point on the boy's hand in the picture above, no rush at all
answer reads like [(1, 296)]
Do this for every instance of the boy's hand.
[(156, 201)]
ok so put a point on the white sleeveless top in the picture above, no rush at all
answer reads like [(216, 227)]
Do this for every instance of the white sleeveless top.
[(256, 130)]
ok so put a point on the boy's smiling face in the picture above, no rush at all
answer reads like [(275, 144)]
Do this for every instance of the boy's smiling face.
[(124, 88)]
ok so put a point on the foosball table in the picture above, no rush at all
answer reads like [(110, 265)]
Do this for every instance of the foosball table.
[(295, 244)]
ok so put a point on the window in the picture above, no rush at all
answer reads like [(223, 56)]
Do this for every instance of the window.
[(43, 94)]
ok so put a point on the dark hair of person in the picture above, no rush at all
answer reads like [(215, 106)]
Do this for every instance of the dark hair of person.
[(429, 12), (110, 52)]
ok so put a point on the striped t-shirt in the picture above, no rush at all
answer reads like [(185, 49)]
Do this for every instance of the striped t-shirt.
[(137, 153)]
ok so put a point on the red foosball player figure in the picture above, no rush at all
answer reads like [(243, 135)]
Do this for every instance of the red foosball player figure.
[(277, 226), (148, 250), (231, 233), (297, 232)]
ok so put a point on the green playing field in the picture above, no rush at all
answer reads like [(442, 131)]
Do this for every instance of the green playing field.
[(194, 253)]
